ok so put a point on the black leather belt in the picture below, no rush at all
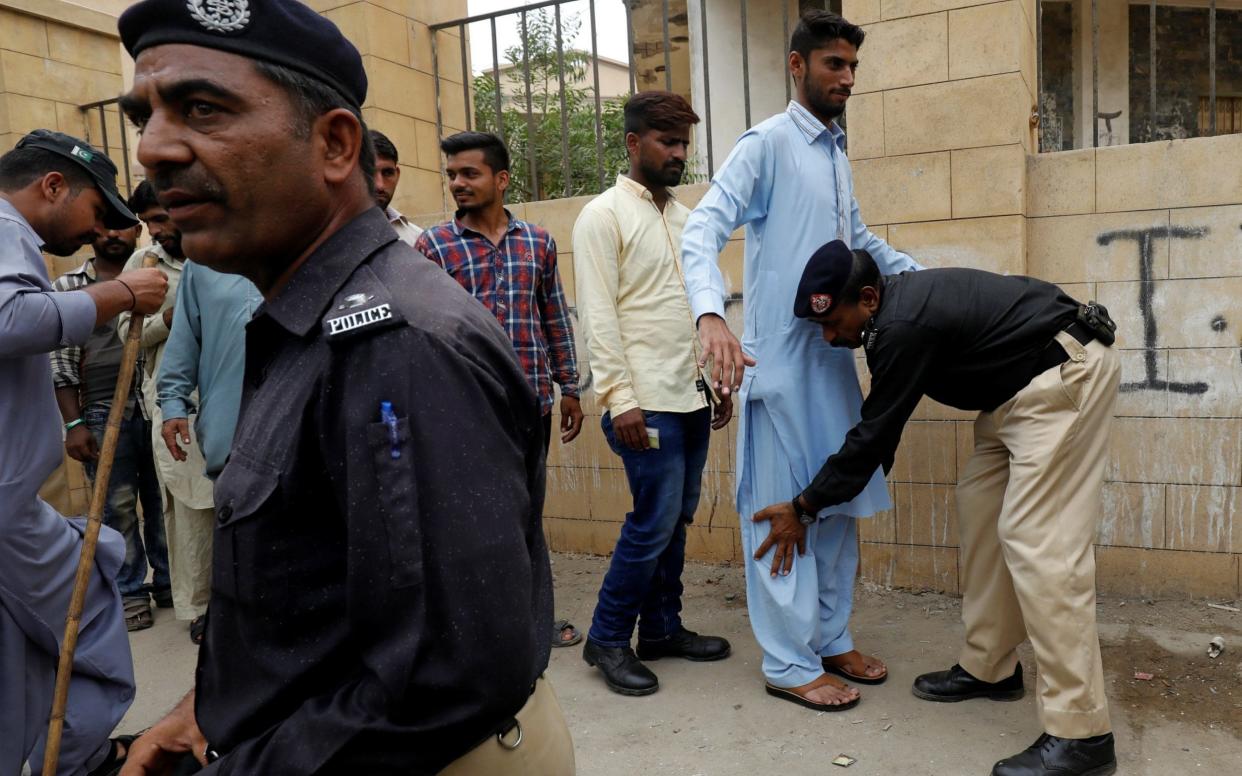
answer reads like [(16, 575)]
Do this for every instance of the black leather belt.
[(1054, 354)]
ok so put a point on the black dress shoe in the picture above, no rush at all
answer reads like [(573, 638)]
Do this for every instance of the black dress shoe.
[(687, 644), (1053, 756), (622, 670), (957, 685)]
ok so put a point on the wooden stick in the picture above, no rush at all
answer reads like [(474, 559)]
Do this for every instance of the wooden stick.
[(86, 562)]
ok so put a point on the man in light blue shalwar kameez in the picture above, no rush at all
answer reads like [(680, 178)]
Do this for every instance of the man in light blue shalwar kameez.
[(789, 183), (45, 202)]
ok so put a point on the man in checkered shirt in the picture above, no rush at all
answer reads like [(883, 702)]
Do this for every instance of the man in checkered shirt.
[(509, 266)]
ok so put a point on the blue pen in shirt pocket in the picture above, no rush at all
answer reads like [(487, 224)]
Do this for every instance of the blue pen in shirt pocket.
[(389, 418)]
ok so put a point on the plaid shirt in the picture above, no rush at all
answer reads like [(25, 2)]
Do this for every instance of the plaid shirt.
[(67, 361), (519, 283)]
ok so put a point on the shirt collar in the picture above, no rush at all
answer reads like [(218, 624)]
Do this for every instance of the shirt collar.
[(10, 213), (87, 269), (626, 183), (811, 127), (515, 224), (394, 215), (300, 304)]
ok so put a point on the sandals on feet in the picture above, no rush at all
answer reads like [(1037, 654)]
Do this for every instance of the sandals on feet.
[(138, 614), (198, 629), (845, 673), (789, 694), (558, 634)]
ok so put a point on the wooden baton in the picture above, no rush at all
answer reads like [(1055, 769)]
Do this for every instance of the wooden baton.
[(86, 562)]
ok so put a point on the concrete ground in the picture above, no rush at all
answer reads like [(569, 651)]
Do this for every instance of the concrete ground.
[(714, 719)]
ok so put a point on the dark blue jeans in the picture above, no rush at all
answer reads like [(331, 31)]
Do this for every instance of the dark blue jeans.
[(133, 481), (643, 583)]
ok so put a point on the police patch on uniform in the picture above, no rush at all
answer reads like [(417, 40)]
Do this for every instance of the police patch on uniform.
[(220, 15), (355, 321), (820, 303)]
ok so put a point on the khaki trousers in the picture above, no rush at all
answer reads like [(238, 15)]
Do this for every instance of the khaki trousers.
[(1028, 511), (539, 746), (190, 533)]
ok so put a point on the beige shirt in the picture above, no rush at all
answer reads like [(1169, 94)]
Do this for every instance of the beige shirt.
[(407, 232), (632, 306)]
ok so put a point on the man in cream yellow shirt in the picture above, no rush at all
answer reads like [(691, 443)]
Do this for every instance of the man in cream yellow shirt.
[(641, 345)]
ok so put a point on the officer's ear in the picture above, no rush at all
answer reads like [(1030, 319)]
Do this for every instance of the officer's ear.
[(869, 299), (340, 133)]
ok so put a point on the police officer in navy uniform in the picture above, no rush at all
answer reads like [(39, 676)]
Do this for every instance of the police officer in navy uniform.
[(381, 590), (1038, 368)]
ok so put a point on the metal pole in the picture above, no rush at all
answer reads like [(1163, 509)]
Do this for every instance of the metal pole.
[(533, 187), (668, 57), (1039, 75), (1212, 68), (785, 42), (707, 89), (435, 79), (745, 67), (465, 77), (1151, 66), (566, 171), (129, 184), (599, 121), (629, 35), (103, 127), (500, 118), (1095, 73)]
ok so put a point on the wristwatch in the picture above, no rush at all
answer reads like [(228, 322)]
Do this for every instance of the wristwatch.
[(804, 517)]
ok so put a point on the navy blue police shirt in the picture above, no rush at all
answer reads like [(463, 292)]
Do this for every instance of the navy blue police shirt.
[(381, 594)]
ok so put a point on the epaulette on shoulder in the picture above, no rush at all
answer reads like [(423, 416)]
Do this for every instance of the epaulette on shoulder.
[(364, 305)]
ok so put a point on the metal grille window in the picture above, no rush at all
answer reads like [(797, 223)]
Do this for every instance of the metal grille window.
[(1117, 71)]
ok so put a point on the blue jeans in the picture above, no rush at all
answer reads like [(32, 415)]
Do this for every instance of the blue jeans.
[(643, 583), (133, 481)]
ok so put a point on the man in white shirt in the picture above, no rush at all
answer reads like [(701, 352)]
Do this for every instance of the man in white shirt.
[(642, 348), (387, 175)]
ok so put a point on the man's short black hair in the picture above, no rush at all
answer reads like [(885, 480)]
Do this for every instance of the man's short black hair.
[(311, 99), (658, 110), (23, 166), (863, 273), (384, 149), (818, 28), (143, 198), (494, 152)]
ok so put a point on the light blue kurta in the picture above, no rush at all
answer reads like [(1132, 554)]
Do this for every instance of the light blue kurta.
[(39, 549), (789, 183)]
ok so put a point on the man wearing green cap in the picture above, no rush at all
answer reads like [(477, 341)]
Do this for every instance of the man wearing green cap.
[(56, 193)]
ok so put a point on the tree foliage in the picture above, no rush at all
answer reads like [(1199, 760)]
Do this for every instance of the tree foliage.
[(538, 133)]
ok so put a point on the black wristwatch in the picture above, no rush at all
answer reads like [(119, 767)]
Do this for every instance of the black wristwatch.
[(804, 517)]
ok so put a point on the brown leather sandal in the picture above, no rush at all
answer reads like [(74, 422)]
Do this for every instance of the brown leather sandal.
[(793, 695)]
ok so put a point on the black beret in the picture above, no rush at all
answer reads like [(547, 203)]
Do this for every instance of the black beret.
[(96, 163), (283, 32), (823, 279)]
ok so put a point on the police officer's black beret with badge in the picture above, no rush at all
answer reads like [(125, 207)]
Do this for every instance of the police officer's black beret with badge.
[(97, 165), (282, 32), (822, 280)]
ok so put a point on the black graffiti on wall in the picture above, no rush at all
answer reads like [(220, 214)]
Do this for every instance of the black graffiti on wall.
[(1145, 239)]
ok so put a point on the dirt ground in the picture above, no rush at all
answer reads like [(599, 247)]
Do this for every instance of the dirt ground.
[(714, 719)]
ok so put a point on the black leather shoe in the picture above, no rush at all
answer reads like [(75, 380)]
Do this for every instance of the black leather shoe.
[(1052, 756), (687, 644), (623, 672), (957, 685)]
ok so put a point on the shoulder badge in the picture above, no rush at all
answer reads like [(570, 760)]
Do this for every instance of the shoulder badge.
[(220, 15), (363, 306)]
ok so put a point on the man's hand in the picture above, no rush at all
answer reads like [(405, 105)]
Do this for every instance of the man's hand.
[(158, 750), (174, 430), (723, 413), (725, 353), (787, 533), (630, 429), (80, 444), (571, 418), (168, 317), (148, 286)]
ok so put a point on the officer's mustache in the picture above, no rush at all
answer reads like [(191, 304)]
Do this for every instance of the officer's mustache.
[(191, 182)]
